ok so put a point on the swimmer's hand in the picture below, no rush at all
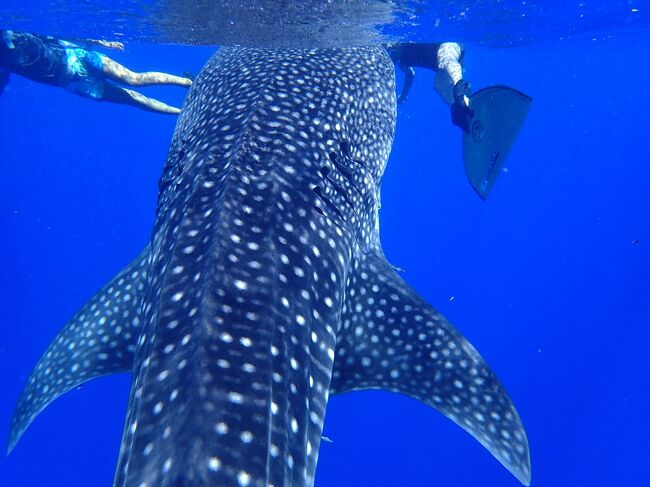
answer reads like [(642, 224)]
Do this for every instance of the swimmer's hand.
[(461, 113), (116, 45)]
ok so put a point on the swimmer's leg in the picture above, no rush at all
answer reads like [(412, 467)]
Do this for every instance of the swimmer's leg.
[(117, 72), (117, 94), (409, 74)]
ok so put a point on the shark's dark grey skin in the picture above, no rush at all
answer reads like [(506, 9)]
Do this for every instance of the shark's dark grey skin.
[(265, 288)]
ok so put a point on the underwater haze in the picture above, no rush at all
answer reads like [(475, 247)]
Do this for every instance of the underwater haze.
[(549, 277)]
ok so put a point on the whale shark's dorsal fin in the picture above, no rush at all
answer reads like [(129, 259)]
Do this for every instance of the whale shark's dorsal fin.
[(392, 339), (98, 340)]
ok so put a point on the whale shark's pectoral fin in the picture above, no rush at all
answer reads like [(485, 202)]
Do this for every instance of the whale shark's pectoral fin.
[(392, 339), (98, 340)]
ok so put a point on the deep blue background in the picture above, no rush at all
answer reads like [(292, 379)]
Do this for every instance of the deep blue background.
[(546, 278)]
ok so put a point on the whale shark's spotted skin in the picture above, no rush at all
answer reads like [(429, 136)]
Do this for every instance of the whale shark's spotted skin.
[(265, 289)]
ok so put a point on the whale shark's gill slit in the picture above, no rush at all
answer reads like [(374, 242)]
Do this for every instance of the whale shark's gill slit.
[(174, 168), (343, 170), (172, 172), (348, 176), (344, 194), (328, 203), (346, 149)]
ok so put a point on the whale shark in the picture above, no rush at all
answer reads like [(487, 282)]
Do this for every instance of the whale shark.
[(264, 288)]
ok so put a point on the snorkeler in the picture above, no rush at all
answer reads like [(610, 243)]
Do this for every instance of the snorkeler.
[(445, 59), (490, 118), (79, 70)]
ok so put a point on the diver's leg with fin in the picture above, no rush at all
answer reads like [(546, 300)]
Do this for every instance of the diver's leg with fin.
[(492, 118)]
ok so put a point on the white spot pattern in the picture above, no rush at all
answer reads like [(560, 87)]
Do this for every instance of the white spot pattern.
[(267, 215)]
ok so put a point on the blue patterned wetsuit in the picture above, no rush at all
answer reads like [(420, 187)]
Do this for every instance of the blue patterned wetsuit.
[(84, 73), (51, 61)]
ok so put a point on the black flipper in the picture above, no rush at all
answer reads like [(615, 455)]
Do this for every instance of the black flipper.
[(498, 115), (392, 339), (98, 340)]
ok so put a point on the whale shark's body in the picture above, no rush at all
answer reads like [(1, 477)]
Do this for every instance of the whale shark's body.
[(265, 289)]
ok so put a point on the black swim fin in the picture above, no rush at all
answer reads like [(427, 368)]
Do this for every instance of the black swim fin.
[(498, 115)]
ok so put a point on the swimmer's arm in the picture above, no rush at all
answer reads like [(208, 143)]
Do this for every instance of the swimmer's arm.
[(118, 46)]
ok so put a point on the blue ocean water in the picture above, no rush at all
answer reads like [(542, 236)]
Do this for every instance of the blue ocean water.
[(548, 278)]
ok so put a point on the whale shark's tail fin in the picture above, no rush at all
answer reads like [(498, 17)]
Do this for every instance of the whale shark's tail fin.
[(498, 115), (392, 339), (98, 340)]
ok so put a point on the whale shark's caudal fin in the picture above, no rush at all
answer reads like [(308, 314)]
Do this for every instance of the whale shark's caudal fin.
[(392, 339), (98, 340)]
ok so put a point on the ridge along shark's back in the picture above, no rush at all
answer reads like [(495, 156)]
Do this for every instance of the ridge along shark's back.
[(265, 288)]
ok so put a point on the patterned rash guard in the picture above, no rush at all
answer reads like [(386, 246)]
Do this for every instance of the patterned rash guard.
[(38, 58), (52, 61)]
